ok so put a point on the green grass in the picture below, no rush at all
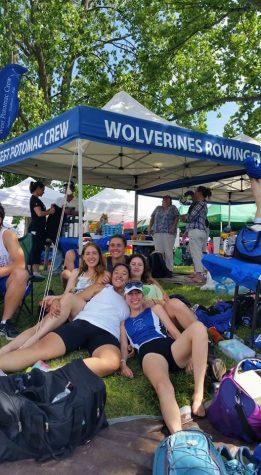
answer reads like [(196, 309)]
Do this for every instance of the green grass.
[(136, 397)]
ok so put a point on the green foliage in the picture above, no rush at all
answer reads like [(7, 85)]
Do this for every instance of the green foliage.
[(180, 59)]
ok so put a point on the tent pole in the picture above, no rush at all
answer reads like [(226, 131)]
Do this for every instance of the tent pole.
[(79, 149), (136, 198), (229, 207)]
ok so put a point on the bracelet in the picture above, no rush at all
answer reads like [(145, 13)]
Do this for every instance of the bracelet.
[(123, 361)]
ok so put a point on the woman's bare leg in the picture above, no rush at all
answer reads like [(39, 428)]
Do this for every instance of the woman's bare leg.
[(193, 344), (68, 305), (156, 369), (178, 310), (105, 360), (50, 346), (18, 341), (71, 304)]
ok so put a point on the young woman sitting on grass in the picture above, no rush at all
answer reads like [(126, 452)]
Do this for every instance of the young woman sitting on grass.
[(91, 270), (95, 328), (158, 353), (154, 293)]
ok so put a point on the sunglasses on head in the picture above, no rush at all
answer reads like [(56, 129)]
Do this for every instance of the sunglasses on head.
[(134, 283)]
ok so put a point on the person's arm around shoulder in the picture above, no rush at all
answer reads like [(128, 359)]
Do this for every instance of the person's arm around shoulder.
[(94, 289), (15, 252), (125, 370), (165, 319)]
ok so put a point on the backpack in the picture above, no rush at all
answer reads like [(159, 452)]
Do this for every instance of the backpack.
[(157, 266), (47, 415), (234, 412), (245, 310), (188, 452), (248, 245)]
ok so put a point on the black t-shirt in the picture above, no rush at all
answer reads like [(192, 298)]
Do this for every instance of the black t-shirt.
[(37, 223)]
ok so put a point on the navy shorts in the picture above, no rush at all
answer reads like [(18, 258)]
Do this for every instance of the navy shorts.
[(84, 335), (161, 346), (3, 285)]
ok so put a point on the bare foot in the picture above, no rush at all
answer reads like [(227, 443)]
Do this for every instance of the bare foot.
[(198, 407)]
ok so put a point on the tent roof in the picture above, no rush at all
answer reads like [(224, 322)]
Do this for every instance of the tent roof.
[(15, 199), (119, 205), (119, 150)]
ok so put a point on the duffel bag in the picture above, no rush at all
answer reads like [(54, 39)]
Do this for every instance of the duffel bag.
[(248, 245), (234, 412), (47, 415)]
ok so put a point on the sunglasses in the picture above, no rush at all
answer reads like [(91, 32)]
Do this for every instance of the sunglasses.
[(138, 284)]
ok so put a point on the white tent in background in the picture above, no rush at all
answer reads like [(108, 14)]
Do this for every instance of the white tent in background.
[(119, 206), (15, 199)]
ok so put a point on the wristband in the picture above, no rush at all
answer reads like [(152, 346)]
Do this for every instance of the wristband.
[(123, 361)]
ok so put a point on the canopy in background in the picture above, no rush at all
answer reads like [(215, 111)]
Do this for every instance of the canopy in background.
[(119, 206), (15, 199), (241, 213)]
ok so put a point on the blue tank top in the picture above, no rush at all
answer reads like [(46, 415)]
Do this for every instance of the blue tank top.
[(143, 328)]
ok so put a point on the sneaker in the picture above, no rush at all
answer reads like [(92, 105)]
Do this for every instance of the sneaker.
[(233, 466), (245, 457), (8, 330)]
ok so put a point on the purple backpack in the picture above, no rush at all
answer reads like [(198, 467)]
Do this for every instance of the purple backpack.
[(233, 412)]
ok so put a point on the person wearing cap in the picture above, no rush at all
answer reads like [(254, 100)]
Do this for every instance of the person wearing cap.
[(95, 328), (163, 221), (159, 353)]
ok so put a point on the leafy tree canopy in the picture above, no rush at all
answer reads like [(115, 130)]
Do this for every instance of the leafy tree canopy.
[(180, 58)]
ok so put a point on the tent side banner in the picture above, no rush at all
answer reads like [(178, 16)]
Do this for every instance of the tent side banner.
[(54, 133), (122, 130)]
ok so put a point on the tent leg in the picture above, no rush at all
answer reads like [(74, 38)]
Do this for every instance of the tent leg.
[(136, 198), (79, 149)]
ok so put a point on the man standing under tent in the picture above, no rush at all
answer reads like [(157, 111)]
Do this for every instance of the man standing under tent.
[(13, 277), (164, 220)]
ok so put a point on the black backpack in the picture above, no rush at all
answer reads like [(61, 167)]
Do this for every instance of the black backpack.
[(245, 310), (47, 415), (157, 266)]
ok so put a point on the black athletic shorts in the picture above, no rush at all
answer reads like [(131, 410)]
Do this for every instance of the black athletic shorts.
[(161, 346), (84, 335)]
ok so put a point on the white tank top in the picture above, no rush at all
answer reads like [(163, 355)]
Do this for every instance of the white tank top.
[(4, 256)]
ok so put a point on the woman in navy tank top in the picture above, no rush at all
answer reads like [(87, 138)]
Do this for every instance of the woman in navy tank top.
[(160, 353)]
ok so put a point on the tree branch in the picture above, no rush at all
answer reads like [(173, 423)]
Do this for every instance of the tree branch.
[(209, 105)]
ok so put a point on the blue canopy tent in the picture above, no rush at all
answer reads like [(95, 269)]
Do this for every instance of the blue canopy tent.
[(121, 151)]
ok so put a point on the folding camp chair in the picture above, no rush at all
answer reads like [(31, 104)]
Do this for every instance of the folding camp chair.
[(26, 243)]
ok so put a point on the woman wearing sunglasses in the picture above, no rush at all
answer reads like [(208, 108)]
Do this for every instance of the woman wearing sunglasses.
[(158, 353), (154, 293)]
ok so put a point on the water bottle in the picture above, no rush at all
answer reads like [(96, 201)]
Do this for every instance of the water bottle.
[(67, 390)]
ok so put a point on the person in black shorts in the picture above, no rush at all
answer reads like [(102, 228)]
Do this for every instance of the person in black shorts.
[(37, 225), (158, 353), (96, 328)]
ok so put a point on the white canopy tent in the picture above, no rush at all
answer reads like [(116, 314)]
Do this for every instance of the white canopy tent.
[(119, 206), (121, 149), (15, 199)]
